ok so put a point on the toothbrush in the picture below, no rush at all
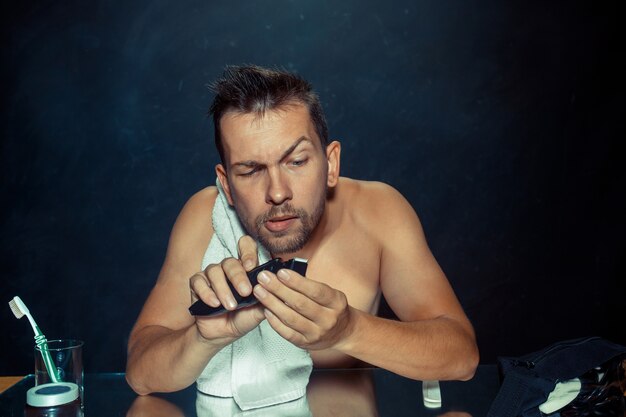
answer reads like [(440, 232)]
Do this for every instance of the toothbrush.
[(20, 310)]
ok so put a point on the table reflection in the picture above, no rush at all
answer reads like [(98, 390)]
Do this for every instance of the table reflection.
[(329, 393), (336, 392), (149, 405)]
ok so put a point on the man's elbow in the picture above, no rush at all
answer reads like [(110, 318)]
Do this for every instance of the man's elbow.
[(468, 363), (458, 365), (135, 381)]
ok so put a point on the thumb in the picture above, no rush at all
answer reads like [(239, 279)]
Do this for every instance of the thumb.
[(247, 248), (247, 318)]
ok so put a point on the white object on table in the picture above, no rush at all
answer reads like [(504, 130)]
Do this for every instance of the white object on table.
[(432, 394)]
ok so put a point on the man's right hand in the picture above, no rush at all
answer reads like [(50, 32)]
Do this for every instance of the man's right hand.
[(212, 288)]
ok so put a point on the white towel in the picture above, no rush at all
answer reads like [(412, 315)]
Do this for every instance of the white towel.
[(210, 406), (261, 368)]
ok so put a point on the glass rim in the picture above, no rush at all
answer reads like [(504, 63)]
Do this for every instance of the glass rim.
[(69, 344)]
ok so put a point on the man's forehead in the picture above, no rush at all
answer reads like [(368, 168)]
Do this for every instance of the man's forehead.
[(246, 135)]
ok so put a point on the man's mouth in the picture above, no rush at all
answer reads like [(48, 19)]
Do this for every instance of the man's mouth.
[(280, 223)]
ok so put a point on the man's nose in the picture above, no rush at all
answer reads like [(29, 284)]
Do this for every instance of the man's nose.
[(278, 189)]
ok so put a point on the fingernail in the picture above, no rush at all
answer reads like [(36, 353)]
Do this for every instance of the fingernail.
[(283, 274), (263, 277), (243, 288), (248, 264), (260, 292), (230, 302), (268, 313)]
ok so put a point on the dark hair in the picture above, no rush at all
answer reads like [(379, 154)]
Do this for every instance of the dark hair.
[(253, 89)]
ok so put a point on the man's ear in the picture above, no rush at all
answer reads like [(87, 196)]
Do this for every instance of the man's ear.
[(223, 178), (333, 155)]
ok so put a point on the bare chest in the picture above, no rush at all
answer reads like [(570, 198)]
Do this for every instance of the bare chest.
[(349, 262)]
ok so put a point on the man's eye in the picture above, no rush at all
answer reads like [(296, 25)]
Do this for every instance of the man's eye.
[(249, 173), (298, 162)]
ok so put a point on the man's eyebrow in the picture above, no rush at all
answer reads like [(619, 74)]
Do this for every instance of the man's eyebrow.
[(253, 164), (294, 146), (247, 164)]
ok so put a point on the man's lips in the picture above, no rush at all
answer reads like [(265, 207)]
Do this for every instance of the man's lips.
[(279, 224)]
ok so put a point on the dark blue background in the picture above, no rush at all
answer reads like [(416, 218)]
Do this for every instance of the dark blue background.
[(498, 120)]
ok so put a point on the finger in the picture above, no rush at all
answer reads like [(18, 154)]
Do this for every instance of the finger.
[(285, 331), (247, 248), (217, 280), (286, 314), (201, 289), (247, 318), (237, 276), (321, 293), (295, 311), (294, 299)]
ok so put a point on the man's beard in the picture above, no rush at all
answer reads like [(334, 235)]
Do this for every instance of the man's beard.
[(278, 242)]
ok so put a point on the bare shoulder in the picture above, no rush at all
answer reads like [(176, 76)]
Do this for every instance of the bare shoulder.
[(193, 229), (376, 204), (169, 299), (199, 206), (383, 194)]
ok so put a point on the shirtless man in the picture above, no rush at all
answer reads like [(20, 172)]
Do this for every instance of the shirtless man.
[(362, 239)]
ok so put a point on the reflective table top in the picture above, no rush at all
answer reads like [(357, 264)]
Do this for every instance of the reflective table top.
[(349, 392)]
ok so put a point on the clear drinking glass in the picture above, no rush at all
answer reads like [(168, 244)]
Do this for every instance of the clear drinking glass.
[(67, 357)]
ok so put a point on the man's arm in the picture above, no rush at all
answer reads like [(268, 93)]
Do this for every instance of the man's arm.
[(433, 340), (168, 348)]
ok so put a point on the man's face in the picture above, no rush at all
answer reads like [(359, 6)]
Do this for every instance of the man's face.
[(276, 176)]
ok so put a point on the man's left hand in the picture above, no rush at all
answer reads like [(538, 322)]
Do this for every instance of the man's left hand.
[(307, 313)]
